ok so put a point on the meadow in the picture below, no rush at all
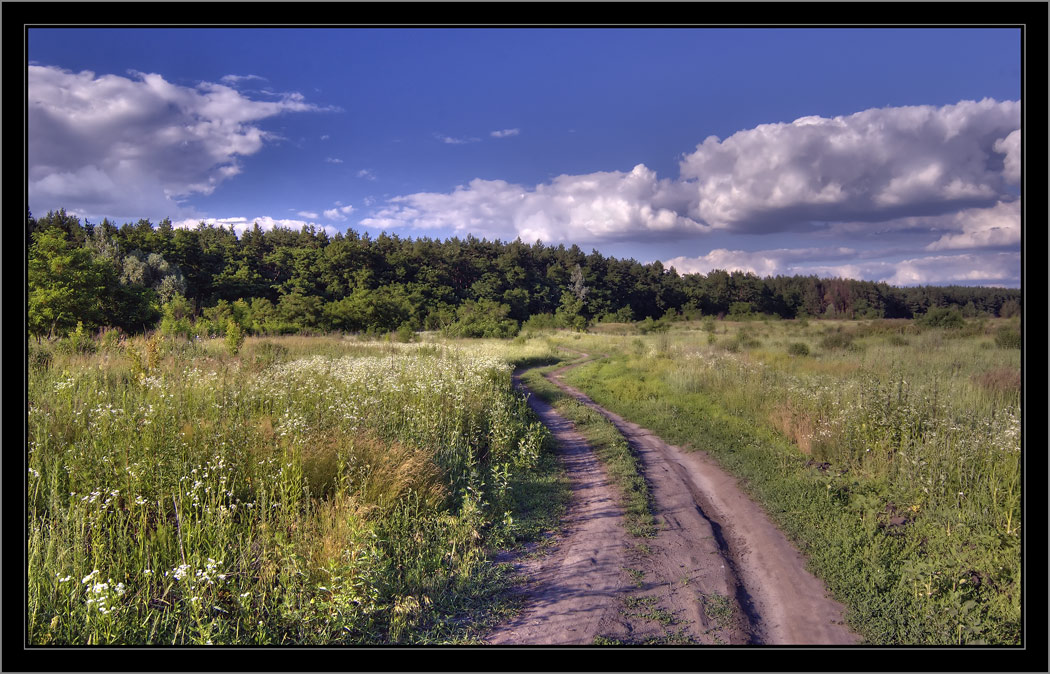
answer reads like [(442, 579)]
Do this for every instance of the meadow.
[(342, 490), (888, 450), (305, 491)]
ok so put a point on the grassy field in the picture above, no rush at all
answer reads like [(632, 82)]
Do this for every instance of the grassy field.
[(333, 490), (304, 491), (890, 453)]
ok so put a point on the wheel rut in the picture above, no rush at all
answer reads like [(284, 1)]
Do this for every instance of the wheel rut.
[(716, 572)]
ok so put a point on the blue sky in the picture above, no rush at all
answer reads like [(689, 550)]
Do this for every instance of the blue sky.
[(883, 154)]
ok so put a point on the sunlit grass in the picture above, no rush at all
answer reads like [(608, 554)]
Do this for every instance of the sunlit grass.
[(890, 453), (309, 490)]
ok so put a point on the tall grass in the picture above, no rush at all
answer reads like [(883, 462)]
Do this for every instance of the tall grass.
[(179, 495), (897, 466)]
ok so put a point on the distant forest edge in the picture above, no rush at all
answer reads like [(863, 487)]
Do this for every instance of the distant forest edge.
[(138, 277)]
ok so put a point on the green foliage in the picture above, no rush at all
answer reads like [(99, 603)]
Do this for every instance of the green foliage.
[(739, 311), (66, 285), (78, 341), (898, 477), (837, 340), (649, 326), (540, 322), (482, 318), (234, 337), (1007, 337), (1010, 309), (245, 510), (798, 349), (353, 283), (176, 318), (942, 317)]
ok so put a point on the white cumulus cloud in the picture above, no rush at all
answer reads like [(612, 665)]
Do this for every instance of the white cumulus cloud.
[(265, 222), (505, 133), (597, 206), (338, 213), (135, 146), (873, 165), (999, 225)]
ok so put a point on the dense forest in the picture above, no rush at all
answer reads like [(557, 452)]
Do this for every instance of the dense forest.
[(142, 276)]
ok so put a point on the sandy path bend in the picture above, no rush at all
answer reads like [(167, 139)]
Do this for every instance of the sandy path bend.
[(783, 602)]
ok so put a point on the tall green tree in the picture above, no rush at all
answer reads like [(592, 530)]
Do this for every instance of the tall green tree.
[(66, 285)]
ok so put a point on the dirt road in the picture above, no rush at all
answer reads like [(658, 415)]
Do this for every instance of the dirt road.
[(717, 571)]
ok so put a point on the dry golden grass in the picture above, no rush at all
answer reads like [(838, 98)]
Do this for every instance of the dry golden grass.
[(794, 424), (1000, 380)]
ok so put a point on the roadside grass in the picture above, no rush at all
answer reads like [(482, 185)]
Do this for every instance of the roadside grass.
[(310, 490), (894, 467), (610, 447)]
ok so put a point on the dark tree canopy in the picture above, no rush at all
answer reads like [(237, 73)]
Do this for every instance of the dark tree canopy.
[(280, 280)]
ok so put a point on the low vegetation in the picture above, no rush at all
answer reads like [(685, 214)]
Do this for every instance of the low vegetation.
[(888, 450), (290, 490)]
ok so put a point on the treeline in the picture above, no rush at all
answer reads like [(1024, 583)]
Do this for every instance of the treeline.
[(140, 276)]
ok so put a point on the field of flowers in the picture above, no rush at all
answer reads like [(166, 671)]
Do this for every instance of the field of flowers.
[(890, 453), (326, 491)]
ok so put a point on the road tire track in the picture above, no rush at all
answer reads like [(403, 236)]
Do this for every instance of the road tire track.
[(716, 572)]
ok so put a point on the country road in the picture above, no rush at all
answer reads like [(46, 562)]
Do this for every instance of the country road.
[(717, 572)]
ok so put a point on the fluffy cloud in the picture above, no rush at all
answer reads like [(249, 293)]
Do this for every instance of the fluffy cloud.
[(999, 269), (903, 168), (265, 222), (871, 166), (781, 261), (338, 213), (136, 145), (598, 206), (308, 214), (367, 174), (834, 262), (1011, 147), (999, 225), (333, 160), (504, 133)]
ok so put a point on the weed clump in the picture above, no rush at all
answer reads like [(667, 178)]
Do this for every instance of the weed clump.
[(1007, 337)]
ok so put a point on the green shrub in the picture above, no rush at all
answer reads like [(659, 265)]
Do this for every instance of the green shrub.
[(39, 357), (798, 349), (1008, 338), (942, 317), (78, 341), (837, 340), (649, 326), (234, 337)]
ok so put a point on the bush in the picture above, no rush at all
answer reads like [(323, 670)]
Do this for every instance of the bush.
[(649, 325), (482, 318), (798, 349), (837, 340), (739, 311), (1008, 338), (942, 317), (404, 333), (39, 357), (234, 337), (538, 322), (78, 341)]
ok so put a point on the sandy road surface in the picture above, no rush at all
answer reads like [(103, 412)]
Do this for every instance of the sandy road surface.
[(717, 572)]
